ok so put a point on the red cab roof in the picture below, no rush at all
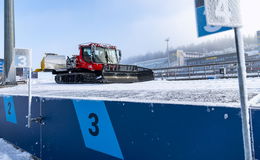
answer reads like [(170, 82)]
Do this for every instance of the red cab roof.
[(97, 45)]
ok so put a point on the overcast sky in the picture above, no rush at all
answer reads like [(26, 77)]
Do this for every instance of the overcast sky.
[(135, 26)]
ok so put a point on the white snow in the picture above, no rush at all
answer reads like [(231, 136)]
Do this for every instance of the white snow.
[(207, 92), (9, 152), (216, 92)]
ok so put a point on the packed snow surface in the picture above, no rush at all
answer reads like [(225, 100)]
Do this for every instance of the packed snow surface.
[(206, 92), (217, 92), (9, 152)]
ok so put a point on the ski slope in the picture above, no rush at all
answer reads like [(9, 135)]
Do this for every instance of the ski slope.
[(206, 92)]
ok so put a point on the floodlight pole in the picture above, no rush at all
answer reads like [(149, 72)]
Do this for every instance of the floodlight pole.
[(243, 94), (9, 42), (167, 50)]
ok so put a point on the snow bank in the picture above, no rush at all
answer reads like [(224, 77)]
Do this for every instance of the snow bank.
[(44, 77), (203, 92), (8, 152)]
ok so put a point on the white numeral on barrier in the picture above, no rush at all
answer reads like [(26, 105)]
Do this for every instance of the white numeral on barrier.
[(22, 61)]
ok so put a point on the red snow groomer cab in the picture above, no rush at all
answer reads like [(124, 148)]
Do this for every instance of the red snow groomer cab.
[(99, 63)]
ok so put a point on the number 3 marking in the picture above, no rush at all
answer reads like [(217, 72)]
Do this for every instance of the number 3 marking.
[(212, 28), (94, 124), (22, 60)]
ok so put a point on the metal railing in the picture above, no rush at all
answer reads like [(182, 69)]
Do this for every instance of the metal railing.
[(207, 71)]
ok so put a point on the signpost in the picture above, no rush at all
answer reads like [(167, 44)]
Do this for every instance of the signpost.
[(203, 28), (23, 59), (227, 13)]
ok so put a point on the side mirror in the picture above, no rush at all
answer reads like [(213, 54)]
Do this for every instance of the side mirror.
[(93, 48), (106, 56), (120, 55), (92, 52)]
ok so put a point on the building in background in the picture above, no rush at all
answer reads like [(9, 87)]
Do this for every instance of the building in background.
[(1, 71), (177, 58), (258, 41), (181, 58), (154, 63), (21, 73), (221, 58)]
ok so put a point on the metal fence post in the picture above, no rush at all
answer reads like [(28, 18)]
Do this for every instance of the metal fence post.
[(243, 94), (205, 71)]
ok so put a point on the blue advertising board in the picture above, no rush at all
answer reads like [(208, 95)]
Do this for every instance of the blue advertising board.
[(1, 65), (202, 27), (111, 130)]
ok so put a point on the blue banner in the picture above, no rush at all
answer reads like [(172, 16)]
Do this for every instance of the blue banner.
[(109, 130), (1, 65), (202, 27)]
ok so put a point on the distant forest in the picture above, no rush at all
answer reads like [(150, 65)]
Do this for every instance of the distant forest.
[(222, 45)]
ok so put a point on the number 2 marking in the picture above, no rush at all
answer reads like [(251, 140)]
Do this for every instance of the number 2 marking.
[(9, 108), (94, 124)]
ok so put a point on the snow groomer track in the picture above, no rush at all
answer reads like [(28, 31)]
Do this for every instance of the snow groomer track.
[(145, 121)]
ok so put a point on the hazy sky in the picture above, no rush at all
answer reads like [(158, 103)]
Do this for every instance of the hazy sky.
[(135, 26)]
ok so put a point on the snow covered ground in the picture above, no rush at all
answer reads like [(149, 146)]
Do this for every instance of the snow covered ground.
[(8, 152), (206, 92)]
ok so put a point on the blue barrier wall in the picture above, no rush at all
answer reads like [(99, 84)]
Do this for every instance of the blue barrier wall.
[(17, 133), (85, 129)]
